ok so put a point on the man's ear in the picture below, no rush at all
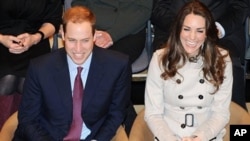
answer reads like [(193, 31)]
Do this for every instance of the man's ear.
[(94, 36)]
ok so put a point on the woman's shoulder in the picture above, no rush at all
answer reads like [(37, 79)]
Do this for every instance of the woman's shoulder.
[(159, 52), (224, 52)]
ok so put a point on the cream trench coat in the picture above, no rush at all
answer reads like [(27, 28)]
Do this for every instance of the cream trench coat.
[(184, 106)]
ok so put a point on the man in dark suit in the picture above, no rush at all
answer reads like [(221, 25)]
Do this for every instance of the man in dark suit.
[(45, 112), (230, 16)]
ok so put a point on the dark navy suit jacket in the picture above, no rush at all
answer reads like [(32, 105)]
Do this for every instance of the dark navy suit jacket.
[(45, 113)]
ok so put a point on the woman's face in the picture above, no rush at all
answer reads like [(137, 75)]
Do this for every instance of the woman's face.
[(193, 34)]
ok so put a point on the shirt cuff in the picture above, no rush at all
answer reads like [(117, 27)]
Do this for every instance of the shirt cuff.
[(221, 30)]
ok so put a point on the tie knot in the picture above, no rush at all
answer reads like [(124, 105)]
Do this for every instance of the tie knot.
[(79, 70)]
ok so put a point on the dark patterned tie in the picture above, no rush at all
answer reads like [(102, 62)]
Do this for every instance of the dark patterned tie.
[(76, 125)]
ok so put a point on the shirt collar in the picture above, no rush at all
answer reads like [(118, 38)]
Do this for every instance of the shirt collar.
[(73, 66)]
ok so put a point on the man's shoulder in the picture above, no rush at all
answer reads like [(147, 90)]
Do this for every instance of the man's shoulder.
[(110, 54), (49, 59), (50, 55)]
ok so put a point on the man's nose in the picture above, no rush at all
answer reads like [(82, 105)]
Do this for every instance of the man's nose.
[(78, 46)]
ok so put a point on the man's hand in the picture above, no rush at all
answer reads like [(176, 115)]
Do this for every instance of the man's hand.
[(103, 39)]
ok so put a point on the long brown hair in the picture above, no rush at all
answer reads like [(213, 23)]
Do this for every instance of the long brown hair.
[(213, 61)]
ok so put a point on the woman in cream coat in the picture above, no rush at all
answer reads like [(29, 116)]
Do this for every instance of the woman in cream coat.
[(189, 83)]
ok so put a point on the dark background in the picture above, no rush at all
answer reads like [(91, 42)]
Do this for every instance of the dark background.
[(248, 90)]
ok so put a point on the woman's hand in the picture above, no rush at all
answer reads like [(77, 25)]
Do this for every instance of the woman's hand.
[(29, 39), (192, 138), (26, 40), (13, 43)]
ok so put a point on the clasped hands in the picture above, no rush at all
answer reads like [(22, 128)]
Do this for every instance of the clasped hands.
[(190, 139), (19, 44), (186, 138)]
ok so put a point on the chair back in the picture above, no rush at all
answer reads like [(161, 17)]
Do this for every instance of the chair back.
[(9, 127), (247, 35), (239, 116), (140, 130), (247, 49), (142, 62)]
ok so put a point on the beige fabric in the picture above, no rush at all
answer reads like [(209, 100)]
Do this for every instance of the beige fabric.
[(120, 135), (9, 127), (238, 116), (141, 132)]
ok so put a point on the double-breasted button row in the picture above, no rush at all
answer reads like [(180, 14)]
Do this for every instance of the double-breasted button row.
[(199, 96), (198, 107), (182, 97), (178, 81)]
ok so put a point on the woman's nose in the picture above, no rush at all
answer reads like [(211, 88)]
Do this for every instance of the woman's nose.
[(192, 35)]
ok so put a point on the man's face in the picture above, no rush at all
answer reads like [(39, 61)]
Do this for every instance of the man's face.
[(79, 41)]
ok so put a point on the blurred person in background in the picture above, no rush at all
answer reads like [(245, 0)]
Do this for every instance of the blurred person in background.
[(120, 24), (25, 27)]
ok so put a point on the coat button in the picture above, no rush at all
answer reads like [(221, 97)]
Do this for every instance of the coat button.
[(182, 108), (200, 97), (199, 107), (178, 81), (180, 96), (183, 125), (202, 81)]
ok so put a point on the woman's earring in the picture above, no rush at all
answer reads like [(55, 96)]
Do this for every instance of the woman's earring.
[(202, 46)]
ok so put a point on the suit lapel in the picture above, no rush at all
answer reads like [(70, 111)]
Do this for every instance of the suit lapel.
[(94, 77), (96, 72), (62, 80)]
